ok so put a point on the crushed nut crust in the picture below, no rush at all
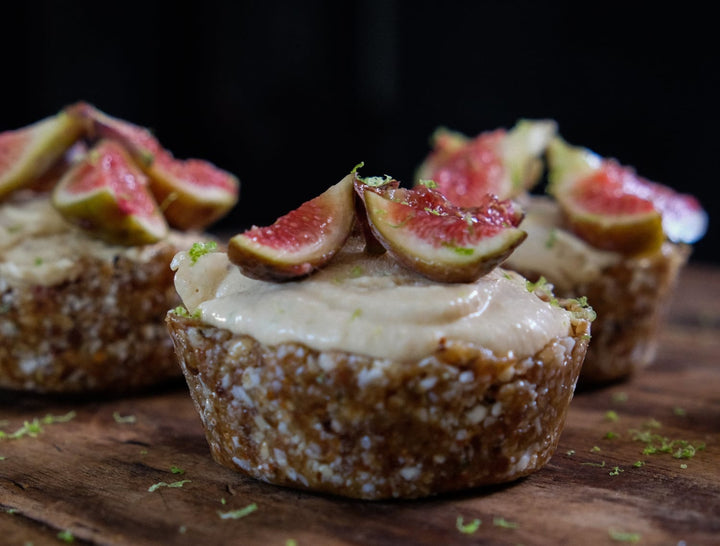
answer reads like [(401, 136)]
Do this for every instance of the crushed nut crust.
[(370, 428)]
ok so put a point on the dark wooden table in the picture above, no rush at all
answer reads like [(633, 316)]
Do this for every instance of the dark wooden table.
[(88, 472)]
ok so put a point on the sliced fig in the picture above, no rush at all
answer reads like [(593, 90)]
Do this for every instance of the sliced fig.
[(376, 184), (138, 141), (192, 193), (500, 162), (28, 153), (299, 242), (445, 243), (612, 208), (107, 195)]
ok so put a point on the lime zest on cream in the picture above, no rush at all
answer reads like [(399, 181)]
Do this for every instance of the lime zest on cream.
[(200, 249)]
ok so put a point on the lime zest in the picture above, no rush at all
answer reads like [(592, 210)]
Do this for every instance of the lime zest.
[(467, 528), (428, 183), (176, 470), (66, 536), (505, 524), (200, 249), (123, 419), (156, 486), (622, 536), (35, 427), (237, 514)]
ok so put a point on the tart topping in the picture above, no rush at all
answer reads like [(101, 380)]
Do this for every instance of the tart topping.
[(418, 226), (504, 163), (106, 194), (612, 208), (186, 194), (300, 241), (28, 153)]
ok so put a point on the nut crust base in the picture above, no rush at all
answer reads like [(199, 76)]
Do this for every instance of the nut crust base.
[(103, 331), (368, 428)]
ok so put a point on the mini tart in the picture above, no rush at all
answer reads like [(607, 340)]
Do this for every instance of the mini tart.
[(630, 294), (308, 410), (79, 315)]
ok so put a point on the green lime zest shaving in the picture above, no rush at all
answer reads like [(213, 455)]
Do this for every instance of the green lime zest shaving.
[(467, 528), (616, 471), (428, 183), (657, 443), (200, 249), (376, 181), (680, 412), (552, 238), (461, 250), (599, 465), (611, 416), (66, 536), (622, 536), (638, 464), (176, 470), (156, 486), (237, 514), (505, 524), (542, 288), (181, 311), (357, 167), (35, 427), (123, 419)]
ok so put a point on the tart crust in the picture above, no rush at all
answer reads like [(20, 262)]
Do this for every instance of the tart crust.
[(362, 427), (100, 331), (631, 299)]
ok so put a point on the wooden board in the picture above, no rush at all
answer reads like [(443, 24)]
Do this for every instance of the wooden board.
[(90, 474)]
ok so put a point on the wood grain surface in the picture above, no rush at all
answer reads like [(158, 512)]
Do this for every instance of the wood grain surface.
[(87, 472)]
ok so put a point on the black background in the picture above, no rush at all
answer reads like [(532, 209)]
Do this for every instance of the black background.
[(290, 96)]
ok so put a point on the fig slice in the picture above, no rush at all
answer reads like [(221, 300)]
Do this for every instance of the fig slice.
[(107, 195), (28, 153), (500, 162), (376, 184), (192, 193), (299, 242), (138, 141), (430, 235), (612, 208)]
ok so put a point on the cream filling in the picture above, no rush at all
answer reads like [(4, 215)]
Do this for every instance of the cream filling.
[(37, 246), (564, 259), (370, 305)]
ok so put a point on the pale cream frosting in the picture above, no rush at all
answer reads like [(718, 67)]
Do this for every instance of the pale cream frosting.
[(37, 246), (564, 259), (370, 305)]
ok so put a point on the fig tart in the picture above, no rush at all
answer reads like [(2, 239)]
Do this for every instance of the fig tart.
[(85, 253), (598, 231), (364, 374)]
